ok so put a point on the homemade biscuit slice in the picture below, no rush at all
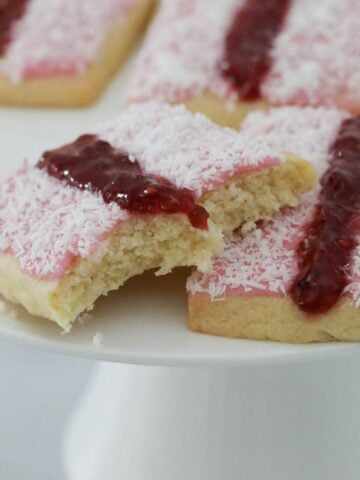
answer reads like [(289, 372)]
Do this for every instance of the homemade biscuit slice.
[(64, 52), (296, 277), (242, 55), (155, 187)]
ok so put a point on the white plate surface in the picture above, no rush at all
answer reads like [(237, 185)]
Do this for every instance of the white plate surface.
[(145, 322)]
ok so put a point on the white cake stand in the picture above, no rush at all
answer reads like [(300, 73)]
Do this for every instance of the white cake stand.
[(212, 408), (200, 407)]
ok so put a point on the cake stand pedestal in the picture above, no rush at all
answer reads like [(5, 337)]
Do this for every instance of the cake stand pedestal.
[(264, 422)]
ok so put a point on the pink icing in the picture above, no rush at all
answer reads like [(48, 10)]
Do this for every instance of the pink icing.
[(61, 38), (264, 262), (46, 225), (315, 57)]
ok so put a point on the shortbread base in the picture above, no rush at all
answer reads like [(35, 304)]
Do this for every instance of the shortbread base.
[(81, 90), (231, 114), (227, 114), (272, 318), (163, 241)]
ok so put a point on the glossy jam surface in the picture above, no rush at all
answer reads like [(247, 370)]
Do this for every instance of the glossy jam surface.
[(326, 253), (247, 57), (93, 164), (10, 11)]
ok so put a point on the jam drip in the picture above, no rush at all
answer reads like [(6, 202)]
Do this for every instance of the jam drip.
[(249, 42), (326, 253), (93, 164), (10, 12)]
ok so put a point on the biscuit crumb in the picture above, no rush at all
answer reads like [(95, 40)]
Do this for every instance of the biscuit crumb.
[(98, 339)]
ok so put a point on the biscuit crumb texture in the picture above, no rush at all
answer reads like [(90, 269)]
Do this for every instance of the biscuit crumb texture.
[(245, 199), (162, 242), (225, 113), (274, 318)]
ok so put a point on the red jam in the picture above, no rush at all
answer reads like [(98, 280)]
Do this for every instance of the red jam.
[(10, 12), (249, 42), (93, 164), (326, 252)]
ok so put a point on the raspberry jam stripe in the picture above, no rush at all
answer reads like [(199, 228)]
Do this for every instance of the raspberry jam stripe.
[(93, 164), (10, 12), (326, 252), (248, 45)]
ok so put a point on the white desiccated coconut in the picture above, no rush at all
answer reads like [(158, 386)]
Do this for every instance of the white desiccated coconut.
[(315, 56), (46, 224), (188, 149), (60, 35), (182, 50), (307, 132), (265, 260)]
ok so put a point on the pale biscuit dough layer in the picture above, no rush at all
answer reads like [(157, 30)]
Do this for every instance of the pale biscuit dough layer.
[(245, 199), (227, 114), (160, 241), (231, 114), (272, 318), (85, 89)]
